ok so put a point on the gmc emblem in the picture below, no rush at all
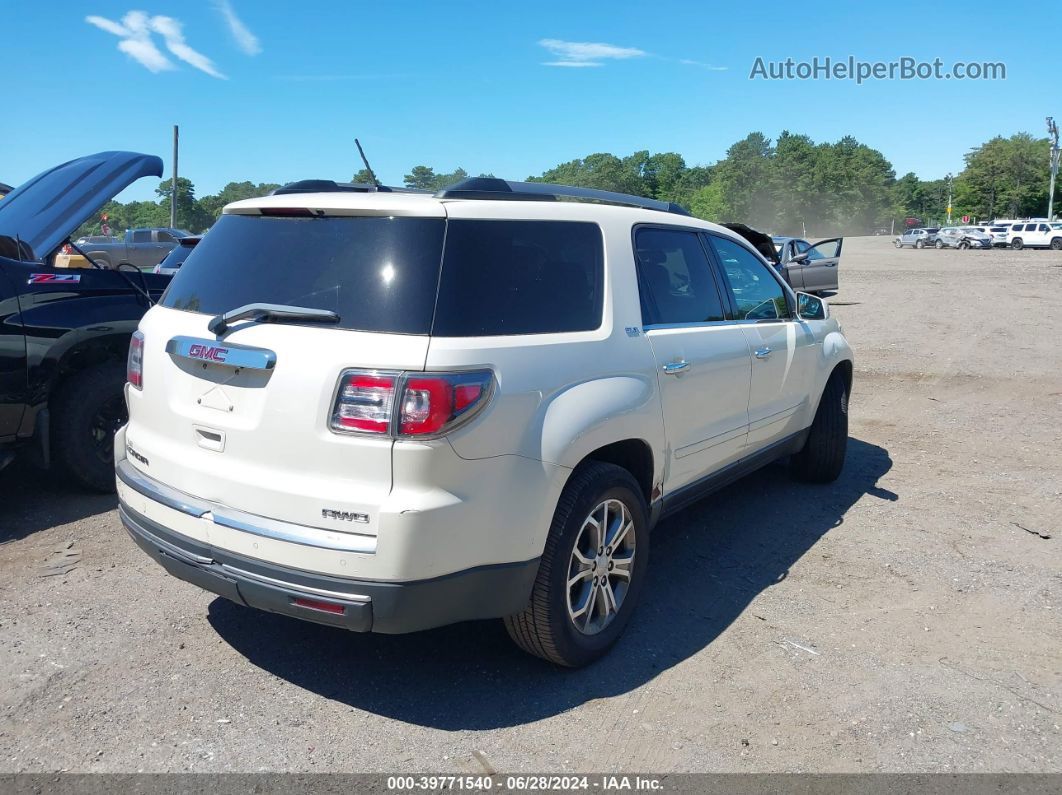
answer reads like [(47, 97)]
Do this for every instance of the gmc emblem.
[(210, 353)]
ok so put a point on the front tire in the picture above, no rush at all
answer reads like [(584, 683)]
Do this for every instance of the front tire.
[(1017, 244), (821, 459), (963, 245), (939, 244), (592, 569), (87, 410)]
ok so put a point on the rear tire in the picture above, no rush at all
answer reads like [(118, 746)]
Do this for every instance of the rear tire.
[(963, 245), (919, 244), (1017, 244), (85, 412), (939, 244), (822, 457), (546, 627), (1056, 243)]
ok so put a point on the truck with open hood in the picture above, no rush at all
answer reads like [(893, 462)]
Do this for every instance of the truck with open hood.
[(64, 334)]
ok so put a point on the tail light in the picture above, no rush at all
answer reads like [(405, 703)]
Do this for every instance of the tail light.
[(364, 403), (409, 404), (67, 249), (134, 367)]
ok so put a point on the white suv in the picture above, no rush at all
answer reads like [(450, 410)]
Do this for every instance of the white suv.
[(389, 411), (1035, 234)]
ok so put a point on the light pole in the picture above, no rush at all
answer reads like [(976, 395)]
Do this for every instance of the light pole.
[(173, 185), (948, 178), (1052, 130)]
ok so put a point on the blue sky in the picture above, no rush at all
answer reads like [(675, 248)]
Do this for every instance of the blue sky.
[(451, 84)]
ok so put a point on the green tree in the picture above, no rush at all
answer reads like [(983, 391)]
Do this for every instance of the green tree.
[(213, 204), (425, 178), (1006, 177), (190, 215), (602, 170)]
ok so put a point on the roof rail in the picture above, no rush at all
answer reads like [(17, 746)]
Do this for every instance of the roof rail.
[(331, 186), (494, 188)]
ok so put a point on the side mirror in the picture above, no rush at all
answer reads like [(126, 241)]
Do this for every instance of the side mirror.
[(811, 307)]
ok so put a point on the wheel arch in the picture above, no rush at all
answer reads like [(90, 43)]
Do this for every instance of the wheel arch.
[(633, 455)]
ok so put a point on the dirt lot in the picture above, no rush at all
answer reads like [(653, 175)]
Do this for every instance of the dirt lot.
[(905, 618)]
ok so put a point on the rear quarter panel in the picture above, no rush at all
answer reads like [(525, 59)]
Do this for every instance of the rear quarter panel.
[(559, 397)]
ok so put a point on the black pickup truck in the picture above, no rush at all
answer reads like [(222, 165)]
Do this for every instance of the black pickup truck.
[(64, 333)]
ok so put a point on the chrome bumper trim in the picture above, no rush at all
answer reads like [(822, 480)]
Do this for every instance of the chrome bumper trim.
[(160, 492), (241, 520)]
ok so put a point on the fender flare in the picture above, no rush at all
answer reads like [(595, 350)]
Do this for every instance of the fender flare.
[(593, 414)]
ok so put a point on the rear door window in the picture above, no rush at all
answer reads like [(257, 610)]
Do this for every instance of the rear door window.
[(377, 273), (520, 277), (142, 236), (675, 278)]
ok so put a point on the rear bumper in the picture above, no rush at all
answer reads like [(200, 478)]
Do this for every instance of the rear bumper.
[(387, 607)]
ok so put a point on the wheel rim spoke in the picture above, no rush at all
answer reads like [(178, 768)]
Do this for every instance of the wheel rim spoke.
[(581, 576), (621, 567)]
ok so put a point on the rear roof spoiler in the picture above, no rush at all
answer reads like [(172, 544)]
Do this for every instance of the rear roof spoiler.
[(331, 186)]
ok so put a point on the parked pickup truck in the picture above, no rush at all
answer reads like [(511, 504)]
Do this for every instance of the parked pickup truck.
[(64, 334), (142, 248)]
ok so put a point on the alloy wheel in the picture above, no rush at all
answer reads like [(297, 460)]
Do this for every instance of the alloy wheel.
[(601, 566)]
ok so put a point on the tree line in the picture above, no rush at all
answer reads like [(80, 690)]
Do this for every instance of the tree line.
[(789, 186)]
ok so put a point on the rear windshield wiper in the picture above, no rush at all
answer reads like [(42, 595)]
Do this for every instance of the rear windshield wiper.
[(270, 313)]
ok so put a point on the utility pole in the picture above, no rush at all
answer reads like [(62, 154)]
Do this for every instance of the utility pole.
[(173, 189), (949, 199), (1052, 130)]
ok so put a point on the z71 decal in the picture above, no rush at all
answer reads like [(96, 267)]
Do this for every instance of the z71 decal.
[(47, 278)]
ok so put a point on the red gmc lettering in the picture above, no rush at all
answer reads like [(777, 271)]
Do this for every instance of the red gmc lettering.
[(207, 352)]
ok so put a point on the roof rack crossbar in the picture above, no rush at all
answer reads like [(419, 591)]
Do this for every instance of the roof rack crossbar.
[(493, 188)]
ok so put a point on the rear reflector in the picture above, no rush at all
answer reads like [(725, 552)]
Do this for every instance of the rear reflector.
[(317, 604), (134, 367), (427, 404)]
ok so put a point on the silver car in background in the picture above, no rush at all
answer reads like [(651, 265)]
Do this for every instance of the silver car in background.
[(810, 267), (919, 237), (962, 237)]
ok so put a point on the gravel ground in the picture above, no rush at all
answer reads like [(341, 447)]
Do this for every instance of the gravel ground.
[(905, 618)]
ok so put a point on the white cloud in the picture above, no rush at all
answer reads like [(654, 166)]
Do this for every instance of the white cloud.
[(703, 65), (170, 30), (245, 40), (572, 63), (136, 39), (136, 30), (586, 53)]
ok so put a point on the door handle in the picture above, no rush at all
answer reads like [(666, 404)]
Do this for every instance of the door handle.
[(762, 353), (675, 368)]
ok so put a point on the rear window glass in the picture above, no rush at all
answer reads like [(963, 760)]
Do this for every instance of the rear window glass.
[(520, 277), (376, 273)]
